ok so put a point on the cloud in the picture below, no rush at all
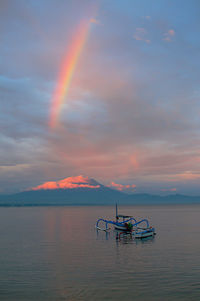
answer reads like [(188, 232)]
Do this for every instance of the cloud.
[(169, 35), (121, 187), (147, 17), (131, 115), (23, 108), (141, 34), (187, 175), (169, 189), (68, 183), (95, 21)]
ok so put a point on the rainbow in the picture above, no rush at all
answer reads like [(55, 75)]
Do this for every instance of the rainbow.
[(67, 70)]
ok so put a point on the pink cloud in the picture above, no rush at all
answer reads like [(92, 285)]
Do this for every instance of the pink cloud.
[(171, 32), (169, 189), (188, 175), (147, 17), (68, 183), (95, 21), (140, 35), (121, 187), (182, 177), (168, 35)]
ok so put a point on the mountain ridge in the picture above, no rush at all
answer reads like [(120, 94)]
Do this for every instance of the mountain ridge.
[(85, 195)]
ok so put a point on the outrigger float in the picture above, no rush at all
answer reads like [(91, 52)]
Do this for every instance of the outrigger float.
[(128, 224)]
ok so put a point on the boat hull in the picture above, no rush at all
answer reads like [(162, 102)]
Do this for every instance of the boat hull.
[(121, 228), (144, 234)]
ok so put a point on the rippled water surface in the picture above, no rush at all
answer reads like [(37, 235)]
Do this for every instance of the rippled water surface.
[(55, 253)]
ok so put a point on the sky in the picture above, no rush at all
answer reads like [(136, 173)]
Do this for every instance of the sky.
[(106, 89)]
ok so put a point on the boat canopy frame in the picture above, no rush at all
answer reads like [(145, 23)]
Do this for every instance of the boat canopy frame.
[(135, 224)]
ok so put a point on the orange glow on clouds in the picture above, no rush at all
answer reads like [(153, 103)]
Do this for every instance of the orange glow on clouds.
[(67, 70), (134, 161), (185, 176), (121, 187), (169, 189), (188, 175), (68, 183)]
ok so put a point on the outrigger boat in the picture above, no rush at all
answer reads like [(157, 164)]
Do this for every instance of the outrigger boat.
[(139, 229)]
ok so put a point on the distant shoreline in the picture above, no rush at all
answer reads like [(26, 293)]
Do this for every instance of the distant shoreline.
[(101, 205)]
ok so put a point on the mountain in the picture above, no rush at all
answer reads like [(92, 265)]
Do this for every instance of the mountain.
[(85, 191)]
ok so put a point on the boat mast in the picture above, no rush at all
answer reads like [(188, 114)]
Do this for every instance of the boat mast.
[(116, 213)]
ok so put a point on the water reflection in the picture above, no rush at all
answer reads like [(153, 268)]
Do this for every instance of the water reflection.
[(122, 237), (102, 234), (56, 254)]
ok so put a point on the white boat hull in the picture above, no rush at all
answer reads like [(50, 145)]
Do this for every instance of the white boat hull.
[(121, 228), (143, 234)]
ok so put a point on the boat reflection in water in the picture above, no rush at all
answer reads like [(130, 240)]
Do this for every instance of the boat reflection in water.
[(129, 238), (122, 237)]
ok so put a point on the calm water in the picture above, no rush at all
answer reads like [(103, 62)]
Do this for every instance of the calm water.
[(55, 253)]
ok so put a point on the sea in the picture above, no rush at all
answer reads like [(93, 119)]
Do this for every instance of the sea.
[(55, 253)]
